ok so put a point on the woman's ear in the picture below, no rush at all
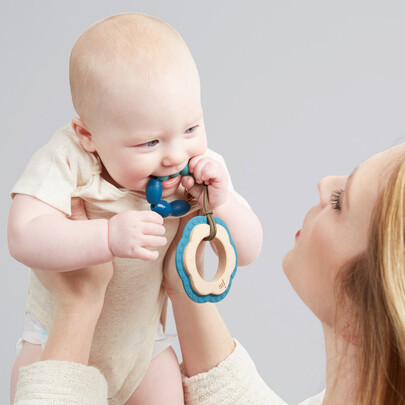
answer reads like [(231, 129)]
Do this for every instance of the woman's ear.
[(85, 137)]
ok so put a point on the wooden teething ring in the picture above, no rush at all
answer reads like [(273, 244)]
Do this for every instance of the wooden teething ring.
[(226, 255), (198, 229)]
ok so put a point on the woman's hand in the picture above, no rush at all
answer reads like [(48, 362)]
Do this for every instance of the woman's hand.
[(203, 336), (79, 300), (78, 290)]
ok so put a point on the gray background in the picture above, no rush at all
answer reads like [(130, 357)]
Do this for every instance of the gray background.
[(292, 91)]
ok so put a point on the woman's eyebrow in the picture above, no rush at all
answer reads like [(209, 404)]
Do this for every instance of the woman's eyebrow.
[(348, 183)]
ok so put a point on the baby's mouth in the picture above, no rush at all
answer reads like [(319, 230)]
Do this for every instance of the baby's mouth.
[(171, 182), (164, 178), (184, 172)]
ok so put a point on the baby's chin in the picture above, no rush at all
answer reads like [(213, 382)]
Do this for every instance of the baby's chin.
[(168, 192), (170, 186)]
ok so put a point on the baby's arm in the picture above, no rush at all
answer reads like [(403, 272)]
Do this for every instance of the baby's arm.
[(42, 237), (244, 226), (242, 222)]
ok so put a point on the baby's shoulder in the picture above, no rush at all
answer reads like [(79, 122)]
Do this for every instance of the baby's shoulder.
[(64, 154), (64, 146), (65, 141)]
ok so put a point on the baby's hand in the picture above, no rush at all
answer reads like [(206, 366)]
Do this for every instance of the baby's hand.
[(130, 233), (212, 173)]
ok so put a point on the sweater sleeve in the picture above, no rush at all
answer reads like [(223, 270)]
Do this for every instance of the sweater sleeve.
[(60, 383), (235, 381)]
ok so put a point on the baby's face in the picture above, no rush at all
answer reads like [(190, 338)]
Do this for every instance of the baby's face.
[(151, 130)]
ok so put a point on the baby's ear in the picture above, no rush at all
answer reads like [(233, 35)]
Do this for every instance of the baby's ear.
[(85, 137)]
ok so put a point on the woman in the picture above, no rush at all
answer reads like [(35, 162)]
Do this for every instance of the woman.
[(348, 267)]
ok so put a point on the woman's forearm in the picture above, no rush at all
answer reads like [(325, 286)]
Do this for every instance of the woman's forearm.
[(203, 335), (71, 334)]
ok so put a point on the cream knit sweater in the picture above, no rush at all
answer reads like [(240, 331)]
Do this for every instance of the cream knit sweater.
[(235, 381), (60, 383)]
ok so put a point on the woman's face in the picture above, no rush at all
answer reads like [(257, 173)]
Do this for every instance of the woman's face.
[(335, 231)]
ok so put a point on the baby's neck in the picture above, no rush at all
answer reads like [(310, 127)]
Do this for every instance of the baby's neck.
[(106, 176)]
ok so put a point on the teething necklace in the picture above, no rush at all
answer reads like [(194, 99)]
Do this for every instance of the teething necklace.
[(153, 194), (204, 227)]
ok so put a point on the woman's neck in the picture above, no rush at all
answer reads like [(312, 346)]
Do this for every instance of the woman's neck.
[(341, 365)]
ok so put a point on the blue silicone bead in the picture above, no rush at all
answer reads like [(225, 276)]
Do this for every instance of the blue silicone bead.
[(163, 178), (153, 191), (179, 207), (185, 171), (175, 174), (163, 208)]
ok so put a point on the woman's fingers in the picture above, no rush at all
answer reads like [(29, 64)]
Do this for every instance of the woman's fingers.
[(77, 209)]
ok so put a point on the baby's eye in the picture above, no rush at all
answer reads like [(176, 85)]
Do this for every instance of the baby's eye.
[(191, 130), (150, 144), (335, 199)]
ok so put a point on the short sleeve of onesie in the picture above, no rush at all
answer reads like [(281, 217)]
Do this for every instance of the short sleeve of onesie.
[(56, 170)]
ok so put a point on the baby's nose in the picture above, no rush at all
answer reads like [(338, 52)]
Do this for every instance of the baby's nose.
[(174, 157)]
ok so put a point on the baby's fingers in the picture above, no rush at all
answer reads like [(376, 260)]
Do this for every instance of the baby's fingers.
[(150, 228), (146, 254), (187, 182), (151, 216), (77, 209), (205, 170), (153, 241)]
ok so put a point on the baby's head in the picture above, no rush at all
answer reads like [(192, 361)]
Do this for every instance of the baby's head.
[(136, 90)]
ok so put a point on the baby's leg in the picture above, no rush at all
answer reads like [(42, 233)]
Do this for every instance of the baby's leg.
[(29, 354), (161, 383)]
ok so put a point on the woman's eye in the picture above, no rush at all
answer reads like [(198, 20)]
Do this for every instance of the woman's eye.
[(335, 199), (191, 130), (150, 144)]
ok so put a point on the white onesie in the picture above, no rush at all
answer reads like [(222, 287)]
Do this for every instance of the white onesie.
[(124, 337)]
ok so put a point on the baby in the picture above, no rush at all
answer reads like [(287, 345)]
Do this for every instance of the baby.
[(136, 90)]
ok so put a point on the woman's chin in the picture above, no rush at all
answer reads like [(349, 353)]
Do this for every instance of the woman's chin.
[(287, 262)]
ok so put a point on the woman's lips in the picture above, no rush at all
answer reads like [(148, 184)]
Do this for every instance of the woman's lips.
[(171, 182), (297, 234)]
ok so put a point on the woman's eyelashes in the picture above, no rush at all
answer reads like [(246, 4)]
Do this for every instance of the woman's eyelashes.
[(335, 199)]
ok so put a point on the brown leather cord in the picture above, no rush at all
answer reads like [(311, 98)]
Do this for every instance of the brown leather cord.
[(209, 214)]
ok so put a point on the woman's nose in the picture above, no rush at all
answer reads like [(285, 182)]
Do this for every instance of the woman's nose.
[(328, 185)]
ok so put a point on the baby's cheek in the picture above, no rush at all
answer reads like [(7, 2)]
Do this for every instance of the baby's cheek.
[(201, 146)]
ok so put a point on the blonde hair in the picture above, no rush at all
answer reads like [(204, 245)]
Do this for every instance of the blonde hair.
[(375, 284), (108, 51)]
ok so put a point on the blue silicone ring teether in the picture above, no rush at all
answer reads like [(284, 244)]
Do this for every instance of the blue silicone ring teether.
[(180, 264)]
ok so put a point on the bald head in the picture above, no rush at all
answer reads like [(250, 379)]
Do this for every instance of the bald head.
[(122, 50)]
